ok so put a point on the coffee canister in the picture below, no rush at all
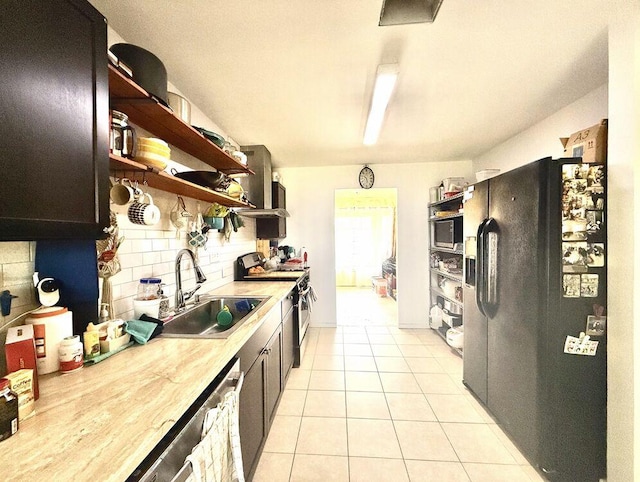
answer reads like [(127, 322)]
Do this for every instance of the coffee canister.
[(71, 354)]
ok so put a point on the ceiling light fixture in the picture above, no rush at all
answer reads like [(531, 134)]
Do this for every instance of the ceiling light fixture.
[(402, 12), (386, 77)]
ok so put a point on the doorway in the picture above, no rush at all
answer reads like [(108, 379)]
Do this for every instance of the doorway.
[(365, 247)]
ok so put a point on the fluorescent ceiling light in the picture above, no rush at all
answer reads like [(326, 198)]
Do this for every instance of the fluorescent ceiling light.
[(386, 77)]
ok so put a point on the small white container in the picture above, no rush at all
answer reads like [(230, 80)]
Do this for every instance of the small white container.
[(146, 307), (455, 337)]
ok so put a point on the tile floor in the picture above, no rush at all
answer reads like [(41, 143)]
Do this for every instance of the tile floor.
[(378, 403)]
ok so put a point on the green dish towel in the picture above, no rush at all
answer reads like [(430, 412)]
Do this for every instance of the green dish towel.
[(140, 330)]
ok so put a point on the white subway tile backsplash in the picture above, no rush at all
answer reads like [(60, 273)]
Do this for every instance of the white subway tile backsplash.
[(159, 244), (151, 258), (140, 245)]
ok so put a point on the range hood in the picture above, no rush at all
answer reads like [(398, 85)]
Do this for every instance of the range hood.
[(258, 185)]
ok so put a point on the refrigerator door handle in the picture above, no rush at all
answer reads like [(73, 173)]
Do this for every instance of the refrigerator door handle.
[(491, 262), (480, 261)]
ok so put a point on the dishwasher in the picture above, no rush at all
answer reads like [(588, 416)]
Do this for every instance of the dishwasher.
[(166, 462)]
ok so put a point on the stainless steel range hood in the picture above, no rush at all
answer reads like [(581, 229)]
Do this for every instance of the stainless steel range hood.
[(258, 185)]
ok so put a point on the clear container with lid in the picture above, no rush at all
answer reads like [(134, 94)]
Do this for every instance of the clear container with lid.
[(8, 410), (149, 289)]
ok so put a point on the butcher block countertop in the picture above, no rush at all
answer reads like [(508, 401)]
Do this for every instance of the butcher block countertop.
[(99, 423)]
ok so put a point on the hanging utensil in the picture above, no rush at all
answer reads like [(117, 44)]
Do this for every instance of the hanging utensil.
[(180, 216)]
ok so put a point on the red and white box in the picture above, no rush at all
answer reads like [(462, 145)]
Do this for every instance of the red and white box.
[(20, 351)]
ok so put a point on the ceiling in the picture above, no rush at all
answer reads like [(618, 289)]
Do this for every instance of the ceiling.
[(297, 76)]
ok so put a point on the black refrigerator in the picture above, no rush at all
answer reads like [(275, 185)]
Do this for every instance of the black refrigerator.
[(534, 319)]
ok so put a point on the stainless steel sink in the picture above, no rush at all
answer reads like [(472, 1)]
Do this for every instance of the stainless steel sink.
[(200, 320)]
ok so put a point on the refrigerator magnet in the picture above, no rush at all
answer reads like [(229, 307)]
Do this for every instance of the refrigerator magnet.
[(595, 255), (571, 285), (589, 285), (596, 325), (574, 257)]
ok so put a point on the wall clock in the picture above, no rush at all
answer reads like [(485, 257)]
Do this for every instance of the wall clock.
[(366, 178)]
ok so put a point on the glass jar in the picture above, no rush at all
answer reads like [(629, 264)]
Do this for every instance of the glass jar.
[(149, 289), (8, 410)]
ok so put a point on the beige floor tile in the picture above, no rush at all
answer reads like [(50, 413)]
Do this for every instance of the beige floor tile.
[(283, 435), (330, 349), (325, 404), (367, 405), (298, 379), (322, 436), (377, 330), (407, 339), (372, 438), (496, 473), (360, 364), (414, 351), (386, 350), (381, 339), (424, 441), (436, 383), (273, 467), (357, 349), (532, 473), (320, 468), (360, 330), (367, 469), (399, 383), (330, 335), (328, 362), (410, 406), (477, 443), (424, 365), (292, 402), (307, 361), (451, 364), (394, 364), (428, 471), (358, 338), (326, 380), (454, 408), (479, 407), (363, 381), (508, 444), (430, 337), (442, 350)]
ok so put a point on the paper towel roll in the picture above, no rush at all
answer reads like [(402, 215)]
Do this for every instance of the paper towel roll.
[(50, 326)]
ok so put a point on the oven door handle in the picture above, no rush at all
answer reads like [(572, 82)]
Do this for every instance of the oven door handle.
[(305, 292)]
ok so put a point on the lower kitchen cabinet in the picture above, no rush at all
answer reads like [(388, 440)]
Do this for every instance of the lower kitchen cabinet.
[(263, 384)]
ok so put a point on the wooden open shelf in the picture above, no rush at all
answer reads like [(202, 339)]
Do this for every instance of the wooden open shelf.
[(144, 110), (162, 180)]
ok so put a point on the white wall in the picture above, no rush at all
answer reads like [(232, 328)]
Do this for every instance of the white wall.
[(624, 245), (543, 139), (310, 201)]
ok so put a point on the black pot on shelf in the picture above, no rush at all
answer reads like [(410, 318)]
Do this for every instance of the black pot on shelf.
[(148, 70)]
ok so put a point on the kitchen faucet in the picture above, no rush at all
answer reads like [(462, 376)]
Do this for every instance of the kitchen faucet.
[(182, 297)]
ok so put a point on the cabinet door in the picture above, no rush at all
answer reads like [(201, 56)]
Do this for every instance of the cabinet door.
[(54, 135), (287, 344), (274, 373), (252, 419), (271, 228)]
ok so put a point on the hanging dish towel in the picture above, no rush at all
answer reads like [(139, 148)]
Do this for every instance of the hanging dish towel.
[(218, 457)]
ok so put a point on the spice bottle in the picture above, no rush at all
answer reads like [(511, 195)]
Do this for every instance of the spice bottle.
[(8, 410)]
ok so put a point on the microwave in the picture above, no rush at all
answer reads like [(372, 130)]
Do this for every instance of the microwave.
[(447, 233)]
